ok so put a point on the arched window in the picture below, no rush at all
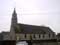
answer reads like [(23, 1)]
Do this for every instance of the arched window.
[(49, 35), (25, 35), (39, 36)]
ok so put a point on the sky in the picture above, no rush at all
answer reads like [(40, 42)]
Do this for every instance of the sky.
[(33, 12)]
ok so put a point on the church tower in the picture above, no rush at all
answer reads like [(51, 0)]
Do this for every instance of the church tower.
[(14, 18), (13, 25)]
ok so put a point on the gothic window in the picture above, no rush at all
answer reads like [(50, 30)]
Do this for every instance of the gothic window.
[(39, 36), (25, 35), (43, 35), (49, 35)]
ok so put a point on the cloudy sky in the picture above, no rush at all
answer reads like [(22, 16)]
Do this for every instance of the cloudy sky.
[(34, 12)]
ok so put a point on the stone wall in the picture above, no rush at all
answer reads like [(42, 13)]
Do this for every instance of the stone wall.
[(45, 42), (35, 36)]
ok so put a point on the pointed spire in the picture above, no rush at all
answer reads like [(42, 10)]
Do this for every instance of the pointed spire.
[(14, 11), (14, 17)]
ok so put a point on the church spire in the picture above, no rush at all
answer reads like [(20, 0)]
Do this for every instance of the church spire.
[(14, 17), (14, 12), (13, 25)]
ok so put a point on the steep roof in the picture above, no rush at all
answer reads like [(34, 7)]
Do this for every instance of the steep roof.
[(25, 28)]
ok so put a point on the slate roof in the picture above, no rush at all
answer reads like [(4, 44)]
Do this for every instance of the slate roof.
[(25, 28)]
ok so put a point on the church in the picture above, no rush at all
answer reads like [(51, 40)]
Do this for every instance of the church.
[(34, 35), (27, 31)]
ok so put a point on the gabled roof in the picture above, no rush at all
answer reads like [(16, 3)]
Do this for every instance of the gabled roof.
[(25, 28)]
